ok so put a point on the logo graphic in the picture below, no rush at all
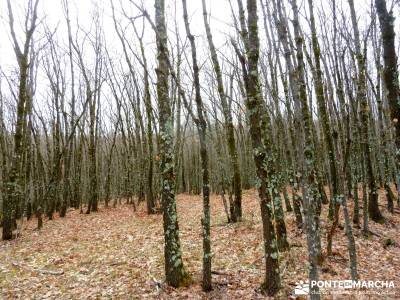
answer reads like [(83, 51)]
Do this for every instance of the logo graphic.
[(302, 288), (348, 284), (343, 286)]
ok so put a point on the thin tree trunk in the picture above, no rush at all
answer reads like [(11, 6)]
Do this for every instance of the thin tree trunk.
[(237, 181), (202, 127), (175, 272)]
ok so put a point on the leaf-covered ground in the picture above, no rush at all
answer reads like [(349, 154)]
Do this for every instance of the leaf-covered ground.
[(118, 254)]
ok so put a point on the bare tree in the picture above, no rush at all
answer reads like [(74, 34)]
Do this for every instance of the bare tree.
[(14, 183), (175, 272)]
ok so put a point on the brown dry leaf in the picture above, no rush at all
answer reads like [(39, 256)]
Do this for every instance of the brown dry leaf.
[(118, 253)]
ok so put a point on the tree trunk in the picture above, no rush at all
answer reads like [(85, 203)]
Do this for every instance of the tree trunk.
[(233, 155), (202, 127), (391, 74), (175, 272)]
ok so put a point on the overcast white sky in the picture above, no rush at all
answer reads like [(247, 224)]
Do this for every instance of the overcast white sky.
[(51, 12), (81, 11)]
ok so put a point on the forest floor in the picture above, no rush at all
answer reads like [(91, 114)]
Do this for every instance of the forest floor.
[(118, 253)]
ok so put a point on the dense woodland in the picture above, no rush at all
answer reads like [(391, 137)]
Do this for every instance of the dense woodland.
[(299, 101)]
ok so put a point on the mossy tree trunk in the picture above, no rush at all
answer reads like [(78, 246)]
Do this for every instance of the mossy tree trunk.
[(175, 272), (373, 208), (201, 125), (391, 79), (230, 130), (256, 114), (309, 178), (13, 185)]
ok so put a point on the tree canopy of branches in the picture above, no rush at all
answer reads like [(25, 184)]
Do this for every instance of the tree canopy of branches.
[(299, 100)]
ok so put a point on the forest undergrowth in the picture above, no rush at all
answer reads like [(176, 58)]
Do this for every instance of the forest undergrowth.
[(118, 253)]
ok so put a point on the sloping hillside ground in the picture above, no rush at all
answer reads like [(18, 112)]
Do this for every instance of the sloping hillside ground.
[(118, 253)]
